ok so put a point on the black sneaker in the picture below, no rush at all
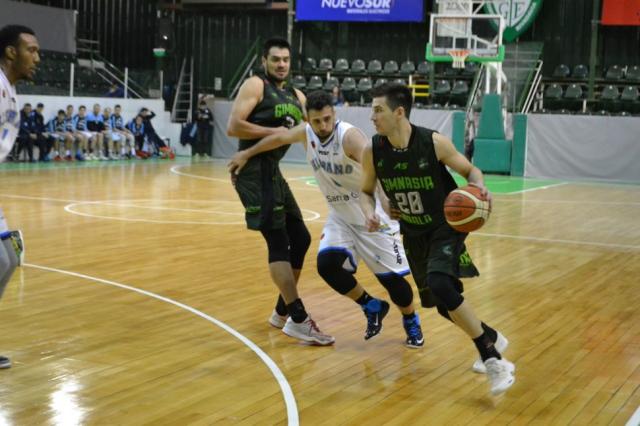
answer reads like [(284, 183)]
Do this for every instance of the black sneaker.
[(4, 362), (375, 310), (415, 339)]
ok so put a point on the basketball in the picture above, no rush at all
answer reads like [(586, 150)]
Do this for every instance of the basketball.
[(466, 210)]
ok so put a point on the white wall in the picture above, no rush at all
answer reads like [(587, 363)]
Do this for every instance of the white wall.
[(130, 108)]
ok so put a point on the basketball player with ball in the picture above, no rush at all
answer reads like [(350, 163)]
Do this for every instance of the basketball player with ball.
[(411, 164)]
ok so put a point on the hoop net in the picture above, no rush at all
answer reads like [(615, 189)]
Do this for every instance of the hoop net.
[(459, 56)]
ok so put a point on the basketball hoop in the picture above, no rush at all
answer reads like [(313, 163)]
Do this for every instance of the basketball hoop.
[(459, 56)]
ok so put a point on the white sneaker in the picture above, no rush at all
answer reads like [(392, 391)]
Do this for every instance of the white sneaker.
[(501, 374), (278, 320), (501, 345), (307, 331)]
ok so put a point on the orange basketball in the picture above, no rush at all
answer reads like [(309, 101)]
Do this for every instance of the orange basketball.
[(465, 209)]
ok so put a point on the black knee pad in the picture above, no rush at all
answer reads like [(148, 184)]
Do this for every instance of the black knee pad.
[(442, 310), (299, 240), (398, 287), (331, 269), (444, 288), (277, 244)]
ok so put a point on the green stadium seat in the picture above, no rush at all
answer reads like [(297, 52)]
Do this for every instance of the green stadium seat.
[(609, 99), (358, 67), (315, 83), (342, 65), (580, 72), (390, 68), (331, 83), (424, 68), (614, 73), (561, 71), (325, 64), (374, 67), (407, 68)]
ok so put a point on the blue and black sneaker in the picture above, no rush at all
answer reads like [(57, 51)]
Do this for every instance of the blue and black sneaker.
[(414, 332), (375, 310)]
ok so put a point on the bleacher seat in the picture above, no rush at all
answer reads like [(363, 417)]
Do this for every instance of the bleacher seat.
[(451, 72), (407, 68), (424, 68), (358, 67), (630, 99), (459, 92), (309, 65), (380, 82), (315, 83), (470, 68), (364, 86), (441, 91), (390, 68), (572, 99), (374, 67), (325, 64), (561, 71), (299, 82), (614, 72), (552, 96), (609, 99), (331, 83), (400, 81), (580, 72), (342, 65), (349, 90), (633, 73)]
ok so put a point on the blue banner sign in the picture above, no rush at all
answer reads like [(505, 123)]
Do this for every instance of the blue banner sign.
[(360, 10)]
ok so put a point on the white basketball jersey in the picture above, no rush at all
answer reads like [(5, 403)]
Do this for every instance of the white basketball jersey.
[(340, 177), (9, 116)]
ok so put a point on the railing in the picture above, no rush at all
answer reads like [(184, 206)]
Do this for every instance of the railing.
[(178, 90), (244, 69), (533, 90)]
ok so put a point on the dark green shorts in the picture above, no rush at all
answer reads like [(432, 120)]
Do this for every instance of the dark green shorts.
[(265, 195), (440, 250)]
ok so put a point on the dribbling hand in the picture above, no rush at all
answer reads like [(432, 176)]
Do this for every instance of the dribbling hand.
[(484, 192)]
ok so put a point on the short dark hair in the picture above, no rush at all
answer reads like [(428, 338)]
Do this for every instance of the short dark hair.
[(69, 106), (82, 107), (10, 34), (319, 99), (117, 106), (274, 42), (398, 95), (26, 105), (40, 105), (61, 111)]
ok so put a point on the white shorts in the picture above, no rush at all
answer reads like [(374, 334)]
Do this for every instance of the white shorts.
[(3, 223), (382, 252)]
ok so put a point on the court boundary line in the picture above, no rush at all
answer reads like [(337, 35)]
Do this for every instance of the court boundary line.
[(175, 170), (69, 208), (634, 420), (516, 237), (560, 241), (285, 387), (523, 191)]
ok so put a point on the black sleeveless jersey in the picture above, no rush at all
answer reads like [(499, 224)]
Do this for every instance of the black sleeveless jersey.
[(279, 107), (414, 180)]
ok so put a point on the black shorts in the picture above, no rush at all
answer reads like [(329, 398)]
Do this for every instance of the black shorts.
[(439, 250), (265, 195)]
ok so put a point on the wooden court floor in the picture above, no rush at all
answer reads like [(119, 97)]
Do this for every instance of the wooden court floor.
[(145, 301)]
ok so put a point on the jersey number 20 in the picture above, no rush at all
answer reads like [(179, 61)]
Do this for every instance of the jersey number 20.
[(410, 202)]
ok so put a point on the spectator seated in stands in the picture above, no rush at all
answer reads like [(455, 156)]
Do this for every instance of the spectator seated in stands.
[(338, 98), (62, 137), (95, 125), (139, 131), (44, 140), (27, 135), (159, 148), (128, 148), (115, 91), (79, 137)]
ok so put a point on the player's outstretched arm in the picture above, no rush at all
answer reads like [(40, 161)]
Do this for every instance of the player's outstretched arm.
[(249, 96), (367, 197), (449, 156), (297, 134)]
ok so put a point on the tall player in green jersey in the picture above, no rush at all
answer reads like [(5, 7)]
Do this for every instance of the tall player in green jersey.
[(411, 164), (267, 105)]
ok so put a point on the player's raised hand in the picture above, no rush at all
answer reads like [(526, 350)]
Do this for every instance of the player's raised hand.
[(372, 223), (237, 162)]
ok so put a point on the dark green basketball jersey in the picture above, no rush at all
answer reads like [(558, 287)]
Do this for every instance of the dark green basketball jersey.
[(414, 180), (279, 107)]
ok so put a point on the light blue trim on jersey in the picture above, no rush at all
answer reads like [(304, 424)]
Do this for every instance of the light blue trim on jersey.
[(401, 273), (344, 251)]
